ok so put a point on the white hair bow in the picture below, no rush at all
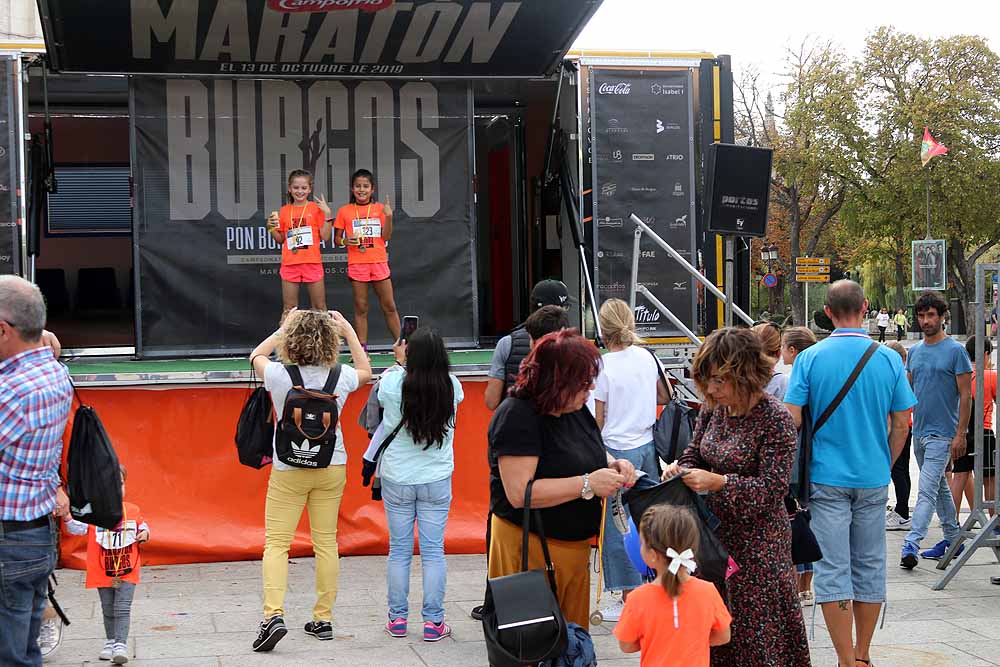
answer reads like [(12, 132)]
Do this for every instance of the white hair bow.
[(685, 558)]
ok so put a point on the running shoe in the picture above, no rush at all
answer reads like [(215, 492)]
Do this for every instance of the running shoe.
[(107, 651), (435, 632), (909, 557), (320, 630), (119, 655), (272, 630), (895, 522), (396, 627), (613, 611), (50, 637), (938, 551)]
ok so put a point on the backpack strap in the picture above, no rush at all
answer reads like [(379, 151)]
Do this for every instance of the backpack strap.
[(847, 387), (332, 378), (295, 375), (659, 370), (675, 428)]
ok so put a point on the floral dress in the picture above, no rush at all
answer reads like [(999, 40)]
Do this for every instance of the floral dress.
[(755, 451)]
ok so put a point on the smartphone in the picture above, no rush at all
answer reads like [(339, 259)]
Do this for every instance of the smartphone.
[(410, 324)]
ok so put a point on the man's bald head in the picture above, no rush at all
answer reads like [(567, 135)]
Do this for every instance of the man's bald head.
[(845, 298), (22, 307)]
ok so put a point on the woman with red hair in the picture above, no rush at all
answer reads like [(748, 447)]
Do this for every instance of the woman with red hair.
[(543, 432)]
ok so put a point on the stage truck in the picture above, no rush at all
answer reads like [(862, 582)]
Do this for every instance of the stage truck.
[(159, 135)]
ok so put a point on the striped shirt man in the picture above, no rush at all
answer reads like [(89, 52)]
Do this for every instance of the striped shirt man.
[(35, 399)]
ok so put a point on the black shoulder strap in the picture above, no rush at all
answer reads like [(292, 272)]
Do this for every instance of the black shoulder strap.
[(295, 375), (847, 387), (659, 370), (332, 378), (675, 428), (387, 441), (530, 515)]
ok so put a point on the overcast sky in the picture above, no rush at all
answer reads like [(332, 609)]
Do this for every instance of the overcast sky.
[(759, 32)]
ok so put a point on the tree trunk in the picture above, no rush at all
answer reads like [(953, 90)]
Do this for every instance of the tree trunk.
[(798, 304), (900, 280)]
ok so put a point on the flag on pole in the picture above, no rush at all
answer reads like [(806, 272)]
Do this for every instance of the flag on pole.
[(930, 148)]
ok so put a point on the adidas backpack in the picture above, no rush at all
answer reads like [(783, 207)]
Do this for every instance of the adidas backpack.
[(307, 433), (93, 479)]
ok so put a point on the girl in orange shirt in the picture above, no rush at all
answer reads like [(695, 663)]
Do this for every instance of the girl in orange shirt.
[(675, 619), (365, 226), (299, 227), (113, 565)]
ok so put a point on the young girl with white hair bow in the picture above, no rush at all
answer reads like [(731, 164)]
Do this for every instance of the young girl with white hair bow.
[(676, 616)]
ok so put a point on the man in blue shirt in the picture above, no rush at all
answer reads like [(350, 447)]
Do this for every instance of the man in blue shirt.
[(852, 455), (941, 374)]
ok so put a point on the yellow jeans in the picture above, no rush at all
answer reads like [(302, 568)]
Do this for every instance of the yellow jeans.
[(288, 491)]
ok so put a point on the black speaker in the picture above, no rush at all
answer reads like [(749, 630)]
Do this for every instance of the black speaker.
[(738, 182)]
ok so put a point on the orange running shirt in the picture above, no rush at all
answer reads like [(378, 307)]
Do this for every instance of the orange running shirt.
[(990, 391), (648, 618), (114, 553), (305, 222), (371, 218)]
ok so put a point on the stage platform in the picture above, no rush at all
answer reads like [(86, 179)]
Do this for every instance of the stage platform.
[(126, 371)]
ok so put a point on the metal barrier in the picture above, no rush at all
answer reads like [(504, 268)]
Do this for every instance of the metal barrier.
[(635, 288)]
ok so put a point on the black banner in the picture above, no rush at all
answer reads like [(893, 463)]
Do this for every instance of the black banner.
[(9, 237), (212, 159), (642, 147), (296, 38)]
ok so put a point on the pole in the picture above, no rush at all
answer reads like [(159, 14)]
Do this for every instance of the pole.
[(730, 245), (805, 314), (928, 172)]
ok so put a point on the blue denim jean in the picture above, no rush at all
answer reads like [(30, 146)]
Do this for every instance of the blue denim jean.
[(619, 573), (427, 505), (932, 454), (849, 525), (27, 557)]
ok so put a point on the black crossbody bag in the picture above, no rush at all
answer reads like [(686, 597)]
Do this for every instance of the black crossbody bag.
[(805, 547)]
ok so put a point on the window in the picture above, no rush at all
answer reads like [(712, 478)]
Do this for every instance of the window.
[(90, 200)]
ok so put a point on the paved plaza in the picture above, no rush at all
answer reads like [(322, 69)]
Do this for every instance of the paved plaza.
[(205, 616)]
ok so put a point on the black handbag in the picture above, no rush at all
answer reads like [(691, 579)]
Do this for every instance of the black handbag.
[(712, 557), (522, 622), (805, 548)]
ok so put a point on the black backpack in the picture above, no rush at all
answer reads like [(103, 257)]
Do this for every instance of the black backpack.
[(307, 433), (255, 430), (674, 428), (94, 479)]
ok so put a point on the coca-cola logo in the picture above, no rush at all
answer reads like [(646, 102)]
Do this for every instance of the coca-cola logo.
[(615, 88), (327, 5)]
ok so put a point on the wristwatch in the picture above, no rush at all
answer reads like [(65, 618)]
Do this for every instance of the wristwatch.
[(586, 492)]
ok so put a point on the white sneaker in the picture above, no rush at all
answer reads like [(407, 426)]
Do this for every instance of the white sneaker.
[(108, 650), (119, 655), (807, 598), (50, 636), (895, 522), (613, 611)]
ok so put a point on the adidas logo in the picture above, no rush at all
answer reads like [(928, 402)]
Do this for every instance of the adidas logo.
[(310, 417), (305, 450)]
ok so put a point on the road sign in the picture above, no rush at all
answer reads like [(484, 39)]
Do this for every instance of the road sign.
[(812, 261), (812, 277), (812, 269), (770, 280)]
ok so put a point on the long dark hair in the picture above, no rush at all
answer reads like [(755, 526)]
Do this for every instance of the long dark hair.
[(428, 394), (363, 173)]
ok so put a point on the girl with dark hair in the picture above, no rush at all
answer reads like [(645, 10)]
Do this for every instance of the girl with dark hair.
[(365, 227), (299, 227), (544, 432), (420, 401)]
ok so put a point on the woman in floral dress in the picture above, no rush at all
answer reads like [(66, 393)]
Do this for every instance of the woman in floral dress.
[(741, 455)]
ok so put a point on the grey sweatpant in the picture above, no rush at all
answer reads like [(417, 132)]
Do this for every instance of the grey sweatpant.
[(116, 603)]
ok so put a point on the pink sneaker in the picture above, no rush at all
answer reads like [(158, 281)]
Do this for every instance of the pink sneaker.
[(397, 627), (435, 632)]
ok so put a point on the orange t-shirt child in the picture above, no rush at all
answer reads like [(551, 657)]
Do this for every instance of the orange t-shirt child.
[(300, 227), (669, 635), (367, 222), (112, 554)]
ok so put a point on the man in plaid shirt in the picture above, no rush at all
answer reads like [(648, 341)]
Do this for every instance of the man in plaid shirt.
[(35, 397)]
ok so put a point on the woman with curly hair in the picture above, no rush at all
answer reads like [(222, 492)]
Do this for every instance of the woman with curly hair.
[(544, 432), (741, 455), (309, 340)]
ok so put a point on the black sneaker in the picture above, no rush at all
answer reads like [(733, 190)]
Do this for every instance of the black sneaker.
[(320, 629), (271, 631), (477, 613)]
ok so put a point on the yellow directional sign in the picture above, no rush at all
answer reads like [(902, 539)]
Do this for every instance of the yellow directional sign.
[(805, 261), (812, 278), (813, 269)]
